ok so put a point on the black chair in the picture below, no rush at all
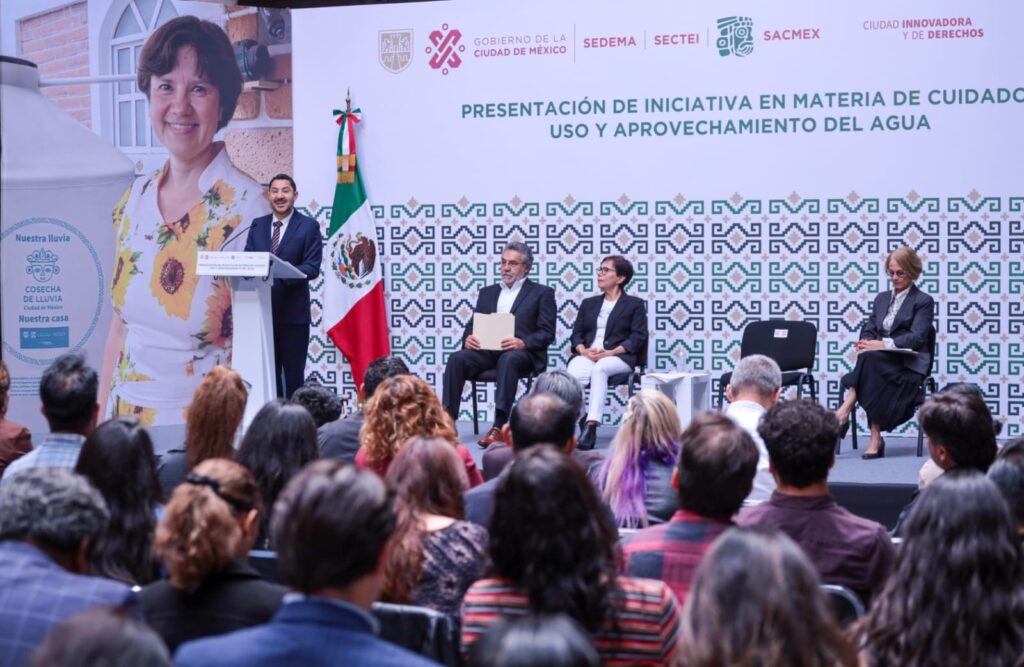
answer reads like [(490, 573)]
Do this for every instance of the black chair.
[(427, 632), (491, 375), (928, 387), (846, 606), (632, 378), (791, 344)]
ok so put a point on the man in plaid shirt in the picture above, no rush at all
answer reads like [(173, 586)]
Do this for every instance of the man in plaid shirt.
[(714, 474)]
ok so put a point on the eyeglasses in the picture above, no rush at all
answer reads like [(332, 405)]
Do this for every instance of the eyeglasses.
[(511, 263), (605, 269), (895, 274)]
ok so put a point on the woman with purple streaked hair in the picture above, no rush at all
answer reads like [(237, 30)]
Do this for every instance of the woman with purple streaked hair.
[(636, 478)]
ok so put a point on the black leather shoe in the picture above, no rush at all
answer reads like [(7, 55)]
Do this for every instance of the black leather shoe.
[(880, 454), (589, 437)]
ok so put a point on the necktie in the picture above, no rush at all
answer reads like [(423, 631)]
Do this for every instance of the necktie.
[(275, 240)]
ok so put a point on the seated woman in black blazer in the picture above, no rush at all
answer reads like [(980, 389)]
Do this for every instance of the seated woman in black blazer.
[(888, 385), (610, 329)]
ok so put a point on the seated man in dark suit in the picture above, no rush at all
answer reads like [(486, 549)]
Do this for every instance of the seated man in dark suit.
[(536, 419), (715, 472), (339, 439), (846, 549), (534, 308), (331, 525), (296, 239), (558, 382), (49, 520)]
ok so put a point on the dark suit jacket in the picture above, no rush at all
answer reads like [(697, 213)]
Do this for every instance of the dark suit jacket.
[(534, 309), (234, 598), (910, 329), (310, 633), (301, 246), (627, 326), (37, 594), (339, 439)]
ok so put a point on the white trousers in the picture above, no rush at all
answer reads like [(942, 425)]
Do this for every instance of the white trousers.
[(595, 374)]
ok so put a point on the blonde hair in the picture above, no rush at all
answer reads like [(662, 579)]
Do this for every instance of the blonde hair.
[(201, 530), (214, 415), (5, 388), (908, 260), (402, 407)]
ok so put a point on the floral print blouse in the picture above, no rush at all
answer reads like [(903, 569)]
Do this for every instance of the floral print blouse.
[(179, 324)]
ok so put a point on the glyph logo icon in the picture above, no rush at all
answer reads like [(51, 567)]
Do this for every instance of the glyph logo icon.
[(42, 265), (353, 259), (735, 36), (394, 49), (445, 49)]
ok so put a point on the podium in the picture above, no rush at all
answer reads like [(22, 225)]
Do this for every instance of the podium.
[(251, 275)]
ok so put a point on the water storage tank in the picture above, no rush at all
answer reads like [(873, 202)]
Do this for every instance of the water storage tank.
[(60, 183)]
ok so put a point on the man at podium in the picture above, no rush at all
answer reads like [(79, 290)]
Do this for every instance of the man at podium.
[(296, 239), (533, 306)]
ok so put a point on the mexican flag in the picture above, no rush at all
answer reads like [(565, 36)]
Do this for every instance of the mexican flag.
[(354, 314)]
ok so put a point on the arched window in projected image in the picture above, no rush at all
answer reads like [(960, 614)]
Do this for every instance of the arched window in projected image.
[(131, 129)]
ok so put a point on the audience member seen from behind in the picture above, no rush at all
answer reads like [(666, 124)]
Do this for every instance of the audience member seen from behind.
[(324, 405), (118, 459), (536, 419), (15, 439), (211, 426), (68, 394), (756, 600), (714, 474), (956, 596), (280, 440), (404, 407), (553, 550), (101, 637), (204, 538), (755, 386), (498, 455), (960, 433), (332, 525), (50, 518), (551, 640), (636, 479), (339, 439), (846, 549), (435, 555), (1007, 473)]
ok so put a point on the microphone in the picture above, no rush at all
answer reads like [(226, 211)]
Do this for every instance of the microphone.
[(236, 235)]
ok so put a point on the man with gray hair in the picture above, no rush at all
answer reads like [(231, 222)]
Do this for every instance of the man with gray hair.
[(533, 306), (49, 520), (755, 386)]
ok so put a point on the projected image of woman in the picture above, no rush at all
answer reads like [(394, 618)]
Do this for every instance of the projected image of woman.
[(171, 326), (609, 331), (887, 385)]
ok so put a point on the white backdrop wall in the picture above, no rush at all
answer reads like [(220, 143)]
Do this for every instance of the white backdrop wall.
[(903, 126)]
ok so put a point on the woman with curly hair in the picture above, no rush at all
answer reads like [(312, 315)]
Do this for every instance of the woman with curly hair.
[(207, 530), (403, 407), (435, 554), (553, 549), (211, 426), (756, 600), (956, 596), (118, 459), (636, 478), (280, 440)]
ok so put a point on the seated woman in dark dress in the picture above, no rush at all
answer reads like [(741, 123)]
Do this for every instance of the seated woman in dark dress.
[(436, 555), (606, 339), (208, 528), (888, 385)]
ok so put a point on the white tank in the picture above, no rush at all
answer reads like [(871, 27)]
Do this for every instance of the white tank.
[(60, 183)]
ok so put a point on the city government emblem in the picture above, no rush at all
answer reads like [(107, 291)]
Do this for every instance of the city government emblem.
[(395, 49)]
